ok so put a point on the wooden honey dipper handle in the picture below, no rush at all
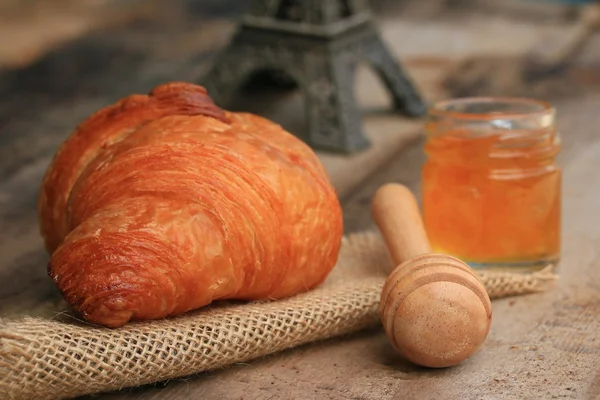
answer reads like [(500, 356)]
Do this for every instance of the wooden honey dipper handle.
[(434, 310), (397, 215)]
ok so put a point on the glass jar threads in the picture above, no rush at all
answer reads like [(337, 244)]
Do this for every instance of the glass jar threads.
[(491, 189)]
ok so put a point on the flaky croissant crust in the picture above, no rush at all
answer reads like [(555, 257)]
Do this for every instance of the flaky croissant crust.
[(164, 203)]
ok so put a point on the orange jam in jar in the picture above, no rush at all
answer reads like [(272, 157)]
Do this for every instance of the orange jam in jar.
[(491, 189)]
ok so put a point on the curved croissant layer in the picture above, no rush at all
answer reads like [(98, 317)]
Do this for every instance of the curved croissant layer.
[(164, 203)]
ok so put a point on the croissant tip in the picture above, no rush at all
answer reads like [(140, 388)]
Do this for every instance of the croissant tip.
[(177, 87), (112, 319)]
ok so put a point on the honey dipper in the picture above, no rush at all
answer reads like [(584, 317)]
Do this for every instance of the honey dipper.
[(434, 310)]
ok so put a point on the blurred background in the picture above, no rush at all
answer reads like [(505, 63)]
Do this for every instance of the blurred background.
[(62, 59)]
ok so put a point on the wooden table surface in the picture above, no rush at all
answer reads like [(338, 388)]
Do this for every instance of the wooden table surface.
[(540, 346)]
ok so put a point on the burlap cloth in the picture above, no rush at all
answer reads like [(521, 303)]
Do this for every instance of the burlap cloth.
[(63, 358)]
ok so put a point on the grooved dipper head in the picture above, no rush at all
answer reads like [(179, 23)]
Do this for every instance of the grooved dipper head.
[(435, 311)]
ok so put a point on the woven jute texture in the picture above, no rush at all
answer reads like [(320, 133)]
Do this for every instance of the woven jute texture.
[(64, 358)]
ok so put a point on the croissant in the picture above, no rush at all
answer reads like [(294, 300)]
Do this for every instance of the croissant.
[(164, 203)]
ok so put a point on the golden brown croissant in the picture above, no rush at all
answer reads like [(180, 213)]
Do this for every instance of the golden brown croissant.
[(164, 203)]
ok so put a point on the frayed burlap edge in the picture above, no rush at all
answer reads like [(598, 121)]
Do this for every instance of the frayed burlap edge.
[(63, 358)]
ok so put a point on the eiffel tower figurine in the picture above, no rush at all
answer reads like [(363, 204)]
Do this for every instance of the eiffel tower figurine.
[(316, 44)]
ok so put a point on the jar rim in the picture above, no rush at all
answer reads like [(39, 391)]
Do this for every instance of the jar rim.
[(537, 108)]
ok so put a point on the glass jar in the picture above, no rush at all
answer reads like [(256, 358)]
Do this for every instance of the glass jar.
[(491, 189)]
